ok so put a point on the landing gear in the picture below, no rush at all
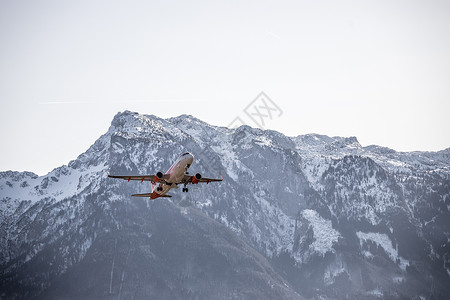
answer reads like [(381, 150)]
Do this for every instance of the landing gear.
[(185, 190), (159, 188)]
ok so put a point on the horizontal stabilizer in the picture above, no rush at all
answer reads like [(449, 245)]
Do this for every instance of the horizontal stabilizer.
[(141, 195), (148, 195)]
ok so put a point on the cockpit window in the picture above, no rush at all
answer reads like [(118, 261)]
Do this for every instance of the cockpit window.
[(185, 154)]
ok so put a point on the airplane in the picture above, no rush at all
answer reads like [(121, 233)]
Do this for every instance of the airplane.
[(161, 183)]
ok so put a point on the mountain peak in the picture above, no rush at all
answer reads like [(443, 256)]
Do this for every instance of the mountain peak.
[(130, 118), (186, 116), (134, 124), (120, 119), (186, 119)]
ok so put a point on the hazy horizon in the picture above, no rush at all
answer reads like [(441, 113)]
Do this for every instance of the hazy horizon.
[(378, 71)]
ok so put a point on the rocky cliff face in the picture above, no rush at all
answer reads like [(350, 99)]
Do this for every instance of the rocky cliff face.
[(305, 216)]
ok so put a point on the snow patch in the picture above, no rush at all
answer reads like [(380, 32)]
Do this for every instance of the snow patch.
[(376, 292), (398, 279), (324, 233), (332, 271), (382, 240)]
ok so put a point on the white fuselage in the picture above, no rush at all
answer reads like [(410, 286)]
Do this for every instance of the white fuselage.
[(177, 172)]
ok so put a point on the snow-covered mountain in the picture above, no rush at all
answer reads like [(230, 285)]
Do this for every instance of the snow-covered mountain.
[(308, 216)]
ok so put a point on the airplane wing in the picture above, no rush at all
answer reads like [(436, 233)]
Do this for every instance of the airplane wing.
[(208, 180), (140, 178), (192, 179)]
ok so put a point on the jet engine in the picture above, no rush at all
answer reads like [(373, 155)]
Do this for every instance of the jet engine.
[(158, 177), (196, 178)]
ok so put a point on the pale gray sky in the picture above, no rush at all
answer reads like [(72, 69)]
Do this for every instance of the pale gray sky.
[(377, 70)]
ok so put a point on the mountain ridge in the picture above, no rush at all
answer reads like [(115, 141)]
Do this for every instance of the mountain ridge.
[(320, 210)]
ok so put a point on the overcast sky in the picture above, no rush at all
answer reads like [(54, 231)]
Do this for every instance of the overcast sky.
[(377, 70)]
